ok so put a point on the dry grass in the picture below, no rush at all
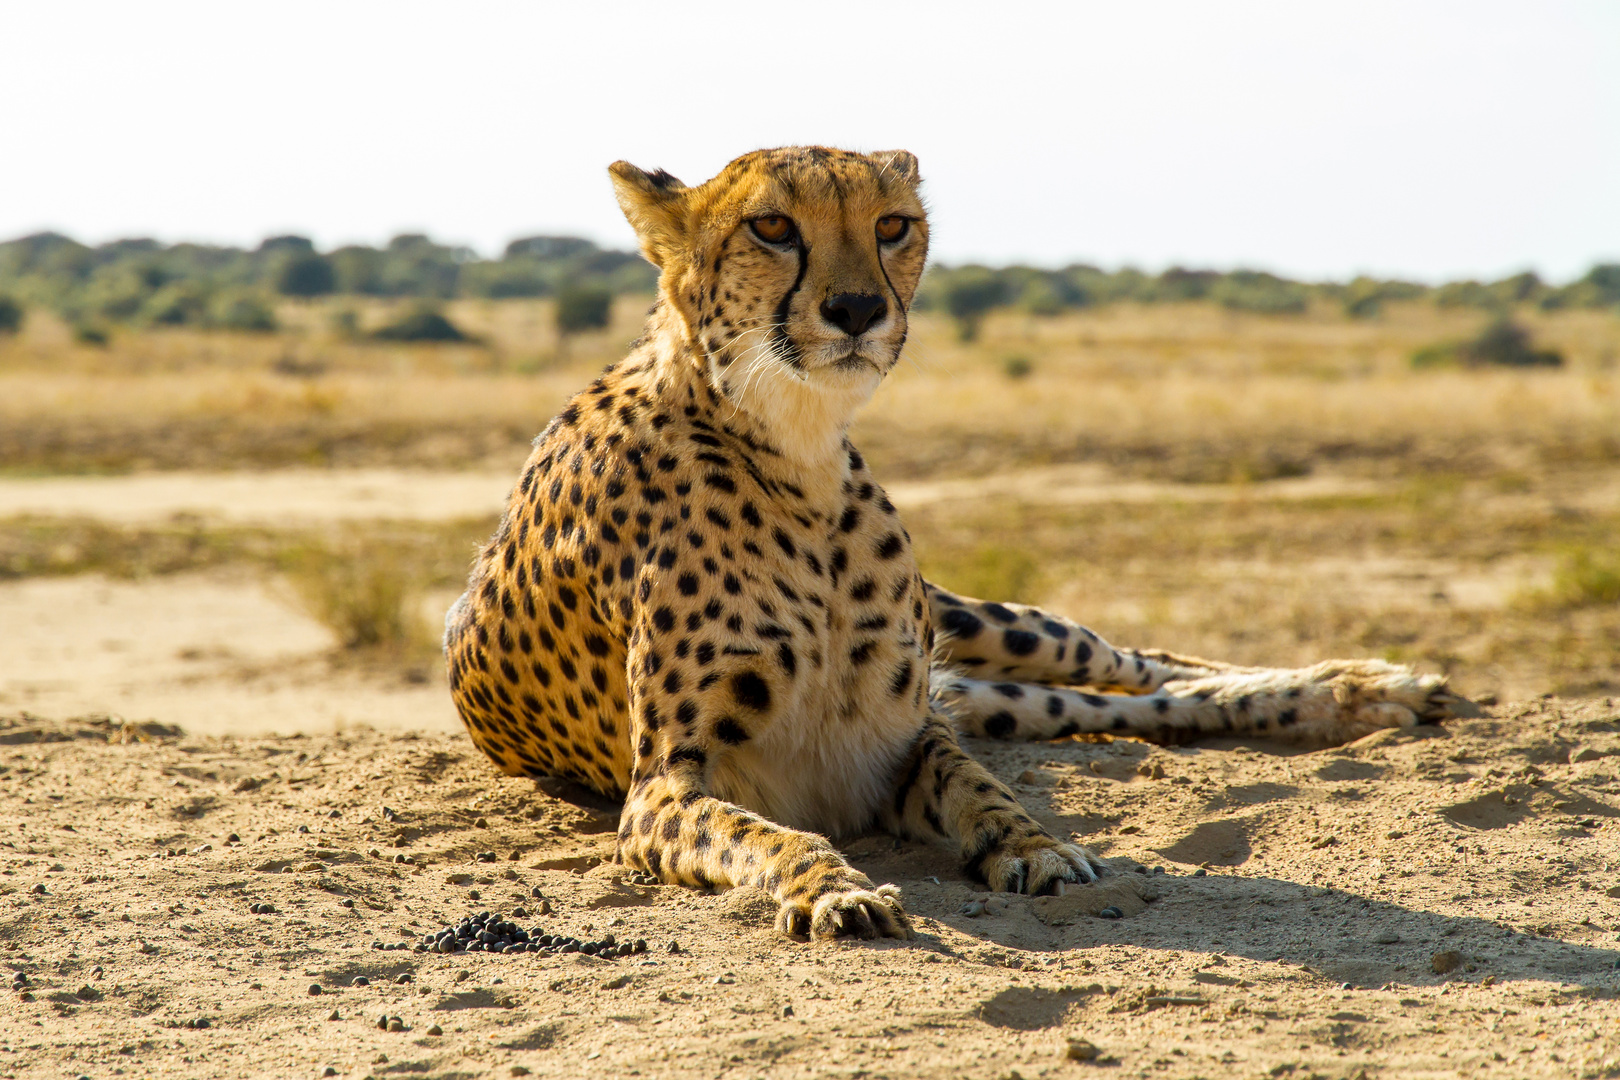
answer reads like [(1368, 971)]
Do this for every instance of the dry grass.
[(1182, 393), (1487, 549)]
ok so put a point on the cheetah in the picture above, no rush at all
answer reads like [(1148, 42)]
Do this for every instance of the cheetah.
[(701, 602)]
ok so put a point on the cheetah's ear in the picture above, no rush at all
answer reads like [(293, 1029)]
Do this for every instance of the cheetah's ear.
[(901, 163), (655, 204)]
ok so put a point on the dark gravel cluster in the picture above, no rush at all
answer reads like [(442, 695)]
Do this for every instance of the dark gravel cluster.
[(492, 933)]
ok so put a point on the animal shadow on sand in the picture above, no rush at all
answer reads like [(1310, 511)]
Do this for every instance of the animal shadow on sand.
[(1336, 932)]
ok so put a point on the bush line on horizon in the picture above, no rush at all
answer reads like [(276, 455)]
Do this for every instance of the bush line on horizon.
[(144, 282)]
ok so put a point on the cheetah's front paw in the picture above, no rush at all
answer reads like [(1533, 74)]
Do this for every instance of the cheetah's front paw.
[(859, 911), (1037, 864)]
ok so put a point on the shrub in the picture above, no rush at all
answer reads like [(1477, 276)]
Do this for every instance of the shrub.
[(1267, 294), (1178, 283), (176, 304), (89, 334), (967, 294), (1505, 343), (1456, 294), (243, 311), (1018, 367), (586, 307), (305, 275), (421, 324), (11, 315)]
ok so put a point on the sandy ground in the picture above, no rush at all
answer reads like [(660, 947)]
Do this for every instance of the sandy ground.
[(1336, 882), (1330, 880), (216, 652)]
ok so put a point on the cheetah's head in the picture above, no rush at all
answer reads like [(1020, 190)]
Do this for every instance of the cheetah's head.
[(792, 271)]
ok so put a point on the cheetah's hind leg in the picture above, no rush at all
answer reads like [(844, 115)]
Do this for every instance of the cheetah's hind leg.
[(1327, 704)]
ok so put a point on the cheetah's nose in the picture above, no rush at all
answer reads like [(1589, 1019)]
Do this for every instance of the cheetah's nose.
[(854, 312)]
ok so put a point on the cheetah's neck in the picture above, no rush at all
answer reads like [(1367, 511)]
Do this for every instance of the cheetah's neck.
[(800, 419)]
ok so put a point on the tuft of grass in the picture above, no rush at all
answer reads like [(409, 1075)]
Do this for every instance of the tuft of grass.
[(1587, 575), (989, 572), (364, 590)]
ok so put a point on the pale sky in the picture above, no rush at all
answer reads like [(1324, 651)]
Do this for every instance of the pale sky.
[(1318, 139)]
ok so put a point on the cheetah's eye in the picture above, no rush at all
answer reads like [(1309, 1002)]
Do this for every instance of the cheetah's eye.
[(892, 228), (774, 229)]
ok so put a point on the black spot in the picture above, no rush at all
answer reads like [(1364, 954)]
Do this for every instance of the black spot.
[(688, 584), (1020, 642), (961, 622), (891, 546), (730, 732), (688, 753), (750, 691), (1054, 706), (789, 662), (902, 679), (1000, 725), (998, 612), (664, 619), (784, 542), (1009, 690)]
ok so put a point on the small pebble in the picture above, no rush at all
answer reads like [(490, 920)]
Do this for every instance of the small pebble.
[(329, 1071), (674, 947), (233, 839), (1082, 1050), (303, 828), (1110, 912), (1445, 961), (1200, 872), (435, 1030), (396, 1024), (787, 1011), (973, 908), (347, 903), (334, 1015), (382, 1022), (314, 989), (204, 1022), (360, 980)]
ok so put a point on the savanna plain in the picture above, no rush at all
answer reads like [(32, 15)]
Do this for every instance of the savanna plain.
[(234, 794)]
